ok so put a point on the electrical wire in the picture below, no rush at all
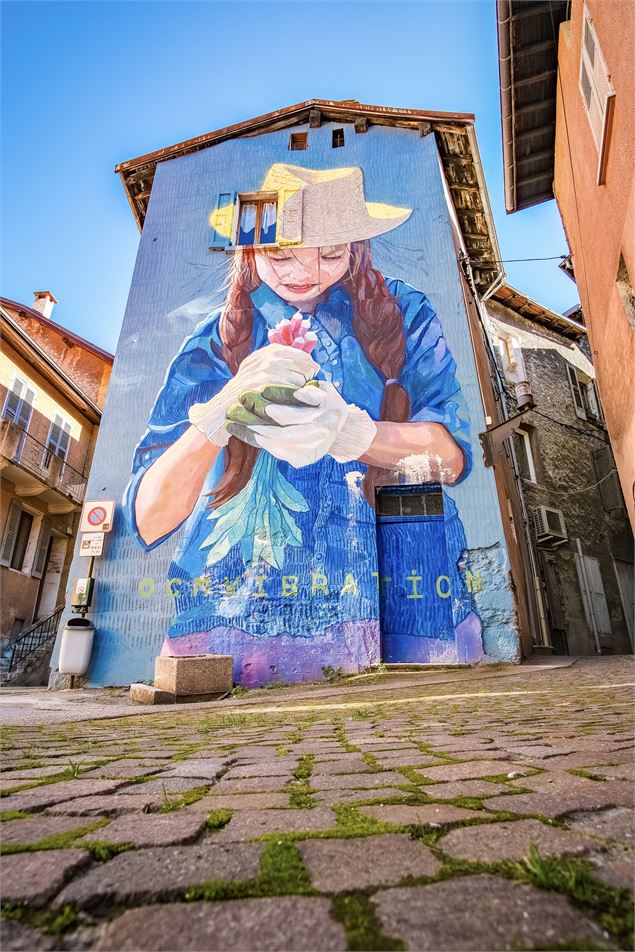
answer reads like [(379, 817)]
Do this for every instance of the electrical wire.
[(570, 426), (575, 492)]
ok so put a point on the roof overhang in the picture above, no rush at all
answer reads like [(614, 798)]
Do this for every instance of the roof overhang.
[(15, 336), (456, 142), (528, 66), (537, 313)]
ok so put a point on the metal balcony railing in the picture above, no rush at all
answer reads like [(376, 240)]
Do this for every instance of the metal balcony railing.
[(18, 446), (40, 633)]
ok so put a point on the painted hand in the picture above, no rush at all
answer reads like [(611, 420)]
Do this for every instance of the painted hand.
[(273, 364), (315, 422)]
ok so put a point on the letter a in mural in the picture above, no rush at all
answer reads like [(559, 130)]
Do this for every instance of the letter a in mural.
[(301, 446)]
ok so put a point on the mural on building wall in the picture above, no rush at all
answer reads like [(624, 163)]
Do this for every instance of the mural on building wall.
[(318, 380)]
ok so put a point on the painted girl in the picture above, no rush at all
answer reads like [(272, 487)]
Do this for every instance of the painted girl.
[(277, 559)]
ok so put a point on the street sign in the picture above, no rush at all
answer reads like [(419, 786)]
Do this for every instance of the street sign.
[(92, 543), (97, 516)]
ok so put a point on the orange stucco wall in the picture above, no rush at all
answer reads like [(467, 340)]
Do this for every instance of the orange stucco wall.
[(600, 219)]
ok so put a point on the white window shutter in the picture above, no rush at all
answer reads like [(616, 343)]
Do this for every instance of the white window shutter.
[(289, 217), (576, 392), (42, 549), (13, 401), (10, 531)]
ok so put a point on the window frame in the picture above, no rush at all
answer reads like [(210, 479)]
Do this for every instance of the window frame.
[(49, 453), (259, 199), (338, 134), (295, 139), (30, 549), (527, 436), (604, 101)]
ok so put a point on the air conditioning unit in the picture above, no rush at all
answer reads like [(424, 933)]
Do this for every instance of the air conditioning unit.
[(549, 526)]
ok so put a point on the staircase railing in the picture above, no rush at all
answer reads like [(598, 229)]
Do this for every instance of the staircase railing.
[(32, 638)]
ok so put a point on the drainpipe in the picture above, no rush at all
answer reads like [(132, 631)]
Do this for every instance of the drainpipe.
[(504, 16)]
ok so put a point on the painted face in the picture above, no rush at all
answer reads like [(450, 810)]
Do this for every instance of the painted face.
[(301, 275)]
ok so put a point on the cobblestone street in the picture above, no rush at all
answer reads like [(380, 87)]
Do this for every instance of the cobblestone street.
[(439, 809)]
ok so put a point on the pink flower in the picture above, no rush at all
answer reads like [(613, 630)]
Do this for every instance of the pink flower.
[(294, 332)]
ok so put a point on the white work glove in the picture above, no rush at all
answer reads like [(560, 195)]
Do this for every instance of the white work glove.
[(326, 424), (273, 364)]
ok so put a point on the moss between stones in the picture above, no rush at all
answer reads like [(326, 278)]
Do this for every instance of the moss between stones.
[(357, 914), (56, 841), (57, 921), (282, 873), (6, 815), (299, 789), (217, 819), (170, 804)]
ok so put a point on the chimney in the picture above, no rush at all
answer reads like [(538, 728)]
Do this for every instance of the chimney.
[(44, 301)]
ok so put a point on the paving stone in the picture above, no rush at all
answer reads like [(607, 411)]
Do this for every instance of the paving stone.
[(8, 778), (540, 751), (344, 765), (124, 769), (472, 769), (31, 831), (358, 781), (161, 784), (350, 864), (615, 867), (481, 912), (240, 801), (248, 824), (388, 761), (490, 842), (552, 804), (252, 784), (142, 829), (281, 768), (201, 769), (260, 925), (381, 794), (35, 877), (20, 939), (611, 824), (425, 815), (115, 805), (57, 792), (619, 792), (152, 874), (617, 772), (464, 788)]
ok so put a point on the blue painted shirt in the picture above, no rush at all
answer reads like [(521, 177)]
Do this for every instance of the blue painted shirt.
[(315, 566)]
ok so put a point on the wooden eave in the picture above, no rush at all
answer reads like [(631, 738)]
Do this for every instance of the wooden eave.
[(533, 311), (16, 337), (528, 67), (455, 139)]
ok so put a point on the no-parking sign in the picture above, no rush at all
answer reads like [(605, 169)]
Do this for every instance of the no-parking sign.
[(97, 516)]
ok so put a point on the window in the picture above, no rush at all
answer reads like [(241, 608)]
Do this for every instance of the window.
[(298, 141), (18, 405), (585, 396), (608, 482), (16, 537), (257, 218), (58, 440), (525, 446), (625, 289), (338, 138), (409, 501), (598, 95)]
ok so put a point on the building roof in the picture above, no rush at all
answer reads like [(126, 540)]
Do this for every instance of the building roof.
[(455, 138), (63, 331), (36, 356), (528, 65), (538, 313)]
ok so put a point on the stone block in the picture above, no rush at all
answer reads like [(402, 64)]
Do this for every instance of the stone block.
[(142, 829), (147, 694), (200, 674), (351, 864), (35, 877)]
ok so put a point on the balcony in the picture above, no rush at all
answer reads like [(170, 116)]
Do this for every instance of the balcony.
[(35, 470)]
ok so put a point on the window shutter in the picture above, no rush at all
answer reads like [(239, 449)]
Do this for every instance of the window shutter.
[(609, 486), (223, 219), (42, 549), (592, 401), (289, 217), (10, 532), (576, 392), (23, 416), (64, 440), (13, 401)]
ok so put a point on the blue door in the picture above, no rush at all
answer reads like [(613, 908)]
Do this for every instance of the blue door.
[(414, 585)]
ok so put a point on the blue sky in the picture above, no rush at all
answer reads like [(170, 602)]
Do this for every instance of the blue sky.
[(87, 85)]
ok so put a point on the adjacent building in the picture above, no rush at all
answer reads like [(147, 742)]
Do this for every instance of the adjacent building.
[(576, 521), (567, 76), (52, 388)]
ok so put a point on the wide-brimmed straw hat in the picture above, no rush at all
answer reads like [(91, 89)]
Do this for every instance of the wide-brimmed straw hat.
[(318, 207)]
